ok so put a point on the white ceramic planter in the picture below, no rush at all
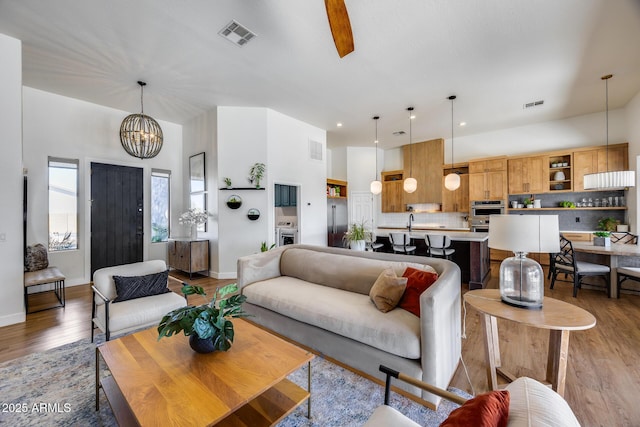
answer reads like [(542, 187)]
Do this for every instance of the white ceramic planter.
[(357, 245), (602, 241)]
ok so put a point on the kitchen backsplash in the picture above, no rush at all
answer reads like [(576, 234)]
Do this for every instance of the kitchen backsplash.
[(438, 219)]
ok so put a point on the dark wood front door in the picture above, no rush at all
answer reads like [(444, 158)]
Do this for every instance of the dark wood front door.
[(117, 210)]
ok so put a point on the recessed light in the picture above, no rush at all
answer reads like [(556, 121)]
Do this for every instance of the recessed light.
[(339, 124), (463, 123)]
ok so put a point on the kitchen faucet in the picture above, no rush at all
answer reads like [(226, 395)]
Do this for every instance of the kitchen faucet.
[(410, 220)]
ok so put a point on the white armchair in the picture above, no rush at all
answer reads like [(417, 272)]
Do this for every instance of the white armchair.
[(113, 317)]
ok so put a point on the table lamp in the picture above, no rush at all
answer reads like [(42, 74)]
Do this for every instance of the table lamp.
[(522, 278)]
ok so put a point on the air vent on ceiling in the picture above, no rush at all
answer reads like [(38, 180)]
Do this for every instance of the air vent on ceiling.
[(236, 33), (315, 150), (533, 104), (399, 133)]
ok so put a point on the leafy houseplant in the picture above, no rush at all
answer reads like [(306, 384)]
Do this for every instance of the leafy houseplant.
[(607, 224), (194, 217), (357, 235), (602, 238), (227, 182), (209, 325), (265, 248), (256, 173)]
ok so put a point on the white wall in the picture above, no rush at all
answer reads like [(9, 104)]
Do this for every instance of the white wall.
[(632, 110), (64, 127), (11, 240)]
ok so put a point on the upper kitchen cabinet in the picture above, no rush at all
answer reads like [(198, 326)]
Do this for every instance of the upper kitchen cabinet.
[(595, 160), (458, 199), (423, 161), (528, 174), (488, 179), (285, 195), (392, 191)]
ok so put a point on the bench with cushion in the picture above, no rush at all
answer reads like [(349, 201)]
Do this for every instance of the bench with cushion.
[(131, 296), (44, 277)]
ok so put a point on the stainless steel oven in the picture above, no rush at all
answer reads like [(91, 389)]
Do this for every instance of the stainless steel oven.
[(481, 211)]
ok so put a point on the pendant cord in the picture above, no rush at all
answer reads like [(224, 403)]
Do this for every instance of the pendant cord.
[(606, 85), (142, 99), (452, 131), (410, 145)]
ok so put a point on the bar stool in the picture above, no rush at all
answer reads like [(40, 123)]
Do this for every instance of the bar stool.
[(401, 243), (438, 246)]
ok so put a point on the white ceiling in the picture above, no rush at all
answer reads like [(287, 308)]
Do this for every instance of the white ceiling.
[(495, 55)]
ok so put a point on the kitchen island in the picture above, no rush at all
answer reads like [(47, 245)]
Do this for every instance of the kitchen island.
[(471, 255)]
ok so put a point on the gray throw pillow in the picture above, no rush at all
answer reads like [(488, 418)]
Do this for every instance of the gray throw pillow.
[(140, 286), (36, 258)]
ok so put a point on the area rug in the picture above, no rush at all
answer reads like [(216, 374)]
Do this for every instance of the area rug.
[(57, 388)]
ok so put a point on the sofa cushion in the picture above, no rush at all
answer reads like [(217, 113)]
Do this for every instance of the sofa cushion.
[(132, 287), (485, 410), (350, 273), (387, 290), (418, 281), (535, 405), (345, 313)]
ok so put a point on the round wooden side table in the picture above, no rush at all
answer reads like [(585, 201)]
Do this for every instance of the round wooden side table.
[(557, 316)]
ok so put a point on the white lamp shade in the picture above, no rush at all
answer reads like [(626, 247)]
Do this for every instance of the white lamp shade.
[(603, 180), (524, 233), (410, 185), (452, 181), (376, 187)]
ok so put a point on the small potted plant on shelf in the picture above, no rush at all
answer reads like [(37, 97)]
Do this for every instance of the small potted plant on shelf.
[(528, 202), (608, 224), (602, 238), (209, 325), (357, 235), (256, 173), (227, 182)]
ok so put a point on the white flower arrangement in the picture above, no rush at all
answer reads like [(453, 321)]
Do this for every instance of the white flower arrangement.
[(194, 216)]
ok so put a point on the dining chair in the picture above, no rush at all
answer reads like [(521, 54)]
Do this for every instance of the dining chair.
[(401, 243), (438, 246), (626, 273), (624, 238), (565, 262)]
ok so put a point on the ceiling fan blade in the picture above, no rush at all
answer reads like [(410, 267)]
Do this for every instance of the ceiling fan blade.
[(340, 26)]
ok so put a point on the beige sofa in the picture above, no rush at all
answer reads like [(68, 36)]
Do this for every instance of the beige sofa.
[(319, 297)]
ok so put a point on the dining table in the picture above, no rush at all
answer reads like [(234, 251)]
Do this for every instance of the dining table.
[(614, 253)]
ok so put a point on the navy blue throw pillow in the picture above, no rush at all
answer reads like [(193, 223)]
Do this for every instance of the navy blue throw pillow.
[(141, 286)]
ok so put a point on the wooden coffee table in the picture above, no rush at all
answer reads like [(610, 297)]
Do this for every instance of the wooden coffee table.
[(166, 383), (558, 316)]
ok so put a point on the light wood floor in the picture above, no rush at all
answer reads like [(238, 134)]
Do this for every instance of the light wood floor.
[(603, 373)]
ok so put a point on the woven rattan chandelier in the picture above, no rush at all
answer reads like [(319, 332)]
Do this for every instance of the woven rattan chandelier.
[(141, 135)]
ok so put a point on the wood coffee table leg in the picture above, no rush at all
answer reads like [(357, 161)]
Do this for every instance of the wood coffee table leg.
[(557, 360), (491, 348)]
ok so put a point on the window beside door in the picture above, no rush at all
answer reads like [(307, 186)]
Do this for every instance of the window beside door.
[(160, 202), (63, 204)]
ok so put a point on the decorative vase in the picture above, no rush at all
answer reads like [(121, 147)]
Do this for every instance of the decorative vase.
[(357, 245), (193, 232), (200, 345)]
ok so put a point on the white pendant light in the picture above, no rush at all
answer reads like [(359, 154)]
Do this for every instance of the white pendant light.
[(452, 180), (607, 179), (410, 184), (376, 185)]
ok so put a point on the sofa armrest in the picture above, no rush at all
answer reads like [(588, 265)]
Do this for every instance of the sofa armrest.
[(440, 327), (98, 293), (257, 267)]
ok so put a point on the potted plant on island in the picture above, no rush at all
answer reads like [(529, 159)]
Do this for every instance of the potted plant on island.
[(602, 238), (209, 325), (357, 235)]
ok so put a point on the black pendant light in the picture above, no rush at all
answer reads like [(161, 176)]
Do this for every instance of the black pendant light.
[(141, 135)]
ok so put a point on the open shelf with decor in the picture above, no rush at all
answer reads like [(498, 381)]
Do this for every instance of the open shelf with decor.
[(600, 208), (242, 188), (336, 189), (560, 174)]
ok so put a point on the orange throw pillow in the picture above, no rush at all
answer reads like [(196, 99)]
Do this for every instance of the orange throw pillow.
[(417, 282), (486, 410)]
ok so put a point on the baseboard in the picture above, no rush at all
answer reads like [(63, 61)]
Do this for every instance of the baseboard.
[(12, 319), (223, 275)]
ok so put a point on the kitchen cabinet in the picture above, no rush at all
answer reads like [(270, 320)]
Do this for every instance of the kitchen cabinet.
[(595, 160), (285, 195), (560, 162), (393, 192), (423, 161), (488, 185), (190, 256), (527, 175), (457, 200), (493, 164)]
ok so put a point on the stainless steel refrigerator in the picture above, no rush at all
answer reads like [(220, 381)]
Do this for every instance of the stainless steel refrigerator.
[(337, 221)]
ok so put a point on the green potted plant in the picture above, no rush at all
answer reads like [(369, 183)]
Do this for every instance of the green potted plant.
[(234, 202), (357, 235), (602, 238), (209, 325), (227, 182), (265, 248), (256, 173), (608, 224)]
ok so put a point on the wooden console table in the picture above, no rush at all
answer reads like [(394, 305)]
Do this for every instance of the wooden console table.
[(557, 316)]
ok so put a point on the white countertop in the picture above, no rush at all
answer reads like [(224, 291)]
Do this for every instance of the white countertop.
[(460, 236)]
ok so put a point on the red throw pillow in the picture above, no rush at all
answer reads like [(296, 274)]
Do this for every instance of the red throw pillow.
[(417, 282), (486, 410)]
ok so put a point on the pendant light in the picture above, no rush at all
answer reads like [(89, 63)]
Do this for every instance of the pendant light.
[(452, 180), (376, 185), (410, 184), (615, 179), (141, 135)]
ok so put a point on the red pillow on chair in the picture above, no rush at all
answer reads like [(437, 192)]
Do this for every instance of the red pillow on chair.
[(417, 282), (486, 410)]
